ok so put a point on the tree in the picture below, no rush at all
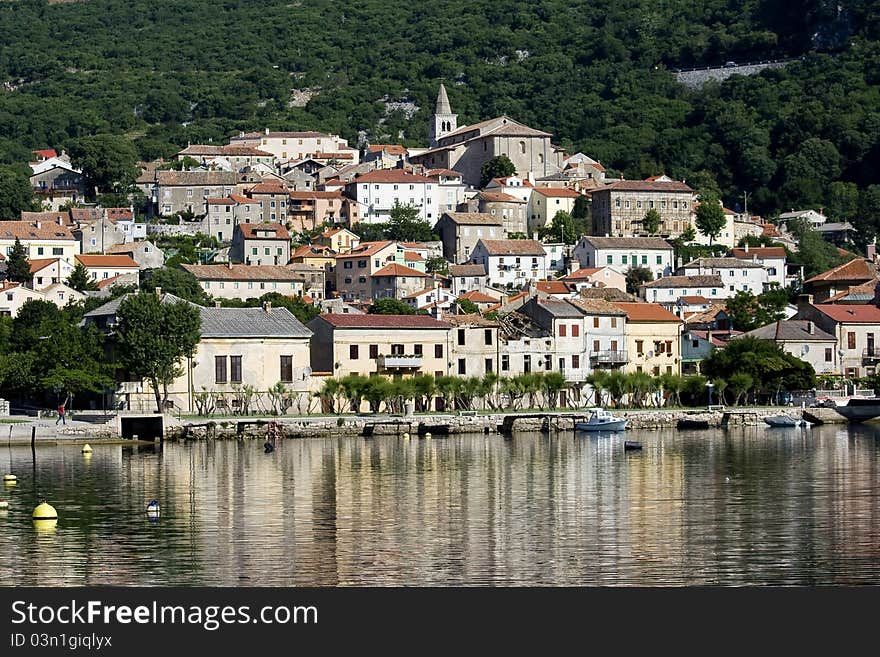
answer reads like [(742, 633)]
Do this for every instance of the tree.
[(154, 337), (16, 193), (437, 265), (406, 225), (178, 282), (636, 276), (467, 306), (108, 162), (18, 269), (499, 166), (391, 307), (688, 234), (770, 368), (710, 216), (80, 280), (561, 228), (651, 221), (747, 311), (581, 209), (814, 253)]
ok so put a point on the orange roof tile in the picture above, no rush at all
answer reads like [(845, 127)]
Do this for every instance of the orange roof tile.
[(854, 270), (106, 261), (646, 312), (478, 297), (760, 251), (552, 287), (556, 192), (249, 231), (41, 263), (851, 313), (395, 269)]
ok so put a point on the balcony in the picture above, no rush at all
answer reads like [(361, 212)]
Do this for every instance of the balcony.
[(871, 354), (608, 357), (399, 362)]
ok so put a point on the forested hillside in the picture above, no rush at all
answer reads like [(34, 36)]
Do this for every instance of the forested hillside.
[(596, 74)]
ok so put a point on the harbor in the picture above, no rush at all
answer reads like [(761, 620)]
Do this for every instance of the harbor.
[(745, 505)]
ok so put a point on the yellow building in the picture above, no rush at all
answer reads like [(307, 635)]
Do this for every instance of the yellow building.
[(653, 338)]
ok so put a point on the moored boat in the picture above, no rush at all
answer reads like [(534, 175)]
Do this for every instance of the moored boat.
[(784, 421), (601, 420), (859, 409)]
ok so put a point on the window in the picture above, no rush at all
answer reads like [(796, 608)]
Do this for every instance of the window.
[(575, 330), (219, 369), (254, 251), (362, 264), (397, 350), (623, 260), (644, 260), (57, 250), (548, 362), (505, 362), (374, 351), (610, 260), (487, 336), (348, 264), (614, 345), (851, 340), (438, 351), (659, 260), (695, 343), (669, 346), (527, 363), (595, 322), (828, 355), (462, 366), (562, 330), (613, 322), (487, 364), (640, 347), (461, 336), (235, 369), (353, 351), (417, 350)]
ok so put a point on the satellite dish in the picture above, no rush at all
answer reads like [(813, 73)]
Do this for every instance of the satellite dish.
[(307, 371), (650, 354)]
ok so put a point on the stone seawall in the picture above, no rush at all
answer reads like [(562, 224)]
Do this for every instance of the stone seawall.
[(506, 423)]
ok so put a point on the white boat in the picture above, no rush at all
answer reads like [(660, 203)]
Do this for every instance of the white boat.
[(784, 421), (601, 420)]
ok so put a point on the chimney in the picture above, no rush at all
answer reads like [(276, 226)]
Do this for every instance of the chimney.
[(217, 304), (267, 306), (872, 252), (267, 131), (810, 327), (804, 300), (159, 292), (747, 247), (38, 224), (229, 264)]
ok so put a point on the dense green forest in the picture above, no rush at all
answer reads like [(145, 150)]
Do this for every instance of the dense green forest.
[(598, 75)]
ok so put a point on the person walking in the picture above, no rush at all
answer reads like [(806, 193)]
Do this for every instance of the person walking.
[(61, 417)]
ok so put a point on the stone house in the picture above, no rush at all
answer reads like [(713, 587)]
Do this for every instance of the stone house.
[(619, 207), (260, 244)]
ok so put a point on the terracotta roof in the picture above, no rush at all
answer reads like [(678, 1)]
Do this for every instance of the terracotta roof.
[(60, 218), (722, 263), (220, 201), (628, 243), (503, 181), (645, 186), (249, 272), (582, 274), (707, 315), (269, 188), (851, 313), (498, 197), (449, 173), (478, 297), (606, 293), (106, 261), (854, 270), (467, 270), (313, 251), (646, 312), (41, 263), (413, 245), (472, 218), (500, 125), (196, 178), (557, 192), (330, 232), (45, 152), (863, 291), (365, 249), (390, 149), (713, 280), (274, 135), (761, 252), (716, 336), (25, 230), (552, 287), (390, 176), (473, 319), (394, 269), (411, 256), (106, 282), (694, 300), (382, 321), (249, 231), (513, 247)]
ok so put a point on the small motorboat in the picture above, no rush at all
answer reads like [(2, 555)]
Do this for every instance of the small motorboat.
[(784, 421), (601, 420)]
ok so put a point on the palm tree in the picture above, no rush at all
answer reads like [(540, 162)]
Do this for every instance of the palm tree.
[(552, 383), (423, 390), (598, 381), (618, 385), (740, 384), (672, 384), (328, 393)]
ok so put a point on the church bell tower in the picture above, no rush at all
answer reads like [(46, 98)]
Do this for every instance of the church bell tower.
[(444, 120)]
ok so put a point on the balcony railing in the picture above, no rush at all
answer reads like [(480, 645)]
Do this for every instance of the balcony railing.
[(390, 362), (608, 356), (871, 353)]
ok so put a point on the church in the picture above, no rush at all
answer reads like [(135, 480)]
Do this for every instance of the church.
[(466, 149)]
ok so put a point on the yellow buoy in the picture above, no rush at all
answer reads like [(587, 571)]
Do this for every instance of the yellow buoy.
[(427, 434), (10, 479), (406, 434), (45, 511), (87, 449)]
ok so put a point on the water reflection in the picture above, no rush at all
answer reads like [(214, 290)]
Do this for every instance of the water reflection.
[(755, 506)]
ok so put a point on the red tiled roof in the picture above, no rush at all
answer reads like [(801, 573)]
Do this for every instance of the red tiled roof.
[(269, 188), (499, 197), (854, 270), (556, 192), (646, 312), (395, 269), (304, 196), (334, 156), (220, 201), (40, 263), (582, 273), (26, 230), (513, 247), (313, 251), (645, 186), (207, 149), (411, 256), (383, 321), (851, 313), (761, 252), (389, 176), (552, 287), (107, 281), (45, 152), (106, 261), (478, 297), (694, 300), (365, 249), (249, 231), (390, 149), (503, 181), (449, 173)]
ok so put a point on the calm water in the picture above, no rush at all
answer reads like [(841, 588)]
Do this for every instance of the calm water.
[(756, 506)]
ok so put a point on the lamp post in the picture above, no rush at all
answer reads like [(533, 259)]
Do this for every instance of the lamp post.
[(709, 387)]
